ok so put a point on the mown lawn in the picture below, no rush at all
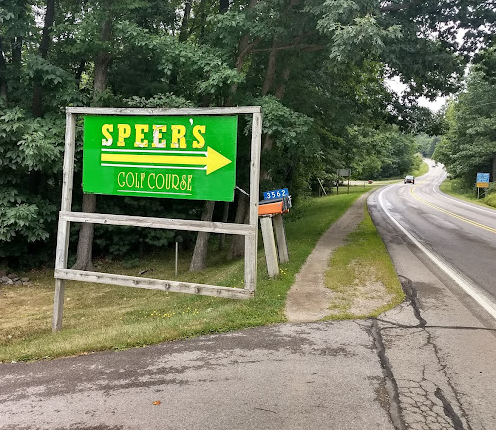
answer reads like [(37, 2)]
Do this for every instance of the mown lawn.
[(100, 317)]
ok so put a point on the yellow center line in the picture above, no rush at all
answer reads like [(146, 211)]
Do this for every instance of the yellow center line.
[(485, 227)]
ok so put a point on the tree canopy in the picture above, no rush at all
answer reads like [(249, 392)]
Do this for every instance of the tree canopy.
[(469, 143), (317, 67)]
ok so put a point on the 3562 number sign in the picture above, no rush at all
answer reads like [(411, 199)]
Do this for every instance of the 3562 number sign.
[(275, 194)]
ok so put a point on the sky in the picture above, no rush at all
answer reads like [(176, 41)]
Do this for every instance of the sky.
[(434, 105)]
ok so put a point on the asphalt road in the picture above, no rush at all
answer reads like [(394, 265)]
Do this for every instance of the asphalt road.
[(461, 234), (428, 364)]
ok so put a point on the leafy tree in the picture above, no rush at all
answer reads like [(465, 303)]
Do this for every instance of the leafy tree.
[(469, 145), (317, 67), (427, 144)]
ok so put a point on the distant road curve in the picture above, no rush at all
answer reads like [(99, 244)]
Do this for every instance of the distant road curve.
[(461, 236)]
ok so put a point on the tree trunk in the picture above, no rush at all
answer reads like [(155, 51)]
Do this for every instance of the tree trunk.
[(3, 69), (281, 88), (223, 6), (79, 71), (16, 51), (270, 75), (86, 232), (102, 62), (199, 260), (202, 16), (43, 51), (244, 48), (225, 216), (270, 72), (183, 33), (237, 248)]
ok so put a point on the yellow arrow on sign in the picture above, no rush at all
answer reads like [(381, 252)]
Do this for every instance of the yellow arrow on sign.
[(212, 160)]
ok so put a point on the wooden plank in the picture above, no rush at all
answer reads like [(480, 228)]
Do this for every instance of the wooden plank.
[(68, 168), (251, 242), (164, 223), (164, 112), (282, 246), (153, 284), (269, 247), (58, 304), (61, 253)]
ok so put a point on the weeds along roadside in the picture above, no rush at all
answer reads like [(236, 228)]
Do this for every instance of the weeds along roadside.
[(102, 317), (361, 276)]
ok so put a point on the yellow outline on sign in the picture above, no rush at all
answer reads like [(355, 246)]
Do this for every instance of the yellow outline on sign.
[(485, 227), (212, 160)]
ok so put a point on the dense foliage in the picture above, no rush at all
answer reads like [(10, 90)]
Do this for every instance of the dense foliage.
[(469, 144), (317, 67), (427, 144)]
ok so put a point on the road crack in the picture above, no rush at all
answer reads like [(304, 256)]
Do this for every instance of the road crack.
[(448, 410), (413, 402), (391, 384), (412, 295)]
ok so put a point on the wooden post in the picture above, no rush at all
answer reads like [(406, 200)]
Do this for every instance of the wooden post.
[(251, 241), (66, 216), (322, 186), (269, 246), (282, 246), (64, 225)]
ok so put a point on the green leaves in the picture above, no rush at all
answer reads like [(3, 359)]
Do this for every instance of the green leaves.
[(469, 145)]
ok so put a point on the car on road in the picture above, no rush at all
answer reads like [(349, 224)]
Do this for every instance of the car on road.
[(409, 179)]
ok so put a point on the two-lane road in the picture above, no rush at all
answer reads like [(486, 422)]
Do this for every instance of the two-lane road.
[(460, 234)]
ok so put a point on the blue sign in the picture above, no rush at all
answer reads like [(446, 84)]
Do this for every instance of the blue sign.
[(482, 177), (276, 194)]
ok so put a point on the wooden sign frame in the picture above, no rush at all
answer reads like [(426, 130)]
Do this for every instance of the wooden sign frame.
[(66, 216)]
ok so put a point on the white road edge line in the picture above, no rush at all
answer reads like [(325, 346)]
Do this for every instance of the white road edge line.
[(466, 286), (473, 206), (438, 183)]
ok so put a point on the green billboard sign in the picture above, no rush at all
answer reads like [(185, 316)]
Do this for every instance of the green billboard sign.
[(181, 157)]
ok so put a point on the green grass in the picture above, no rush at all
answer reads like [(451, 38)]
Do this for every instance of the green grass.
[(362, 277), (453, 188), (422, 170), (100, 317)]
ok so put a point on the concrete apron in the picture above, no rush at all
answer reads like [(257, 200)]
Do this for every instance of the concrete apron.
[(312, 376)]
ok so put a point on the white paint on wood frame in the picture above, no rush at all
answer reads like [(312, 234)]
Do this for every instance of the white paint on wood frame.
[(269, 246), (250, 231)]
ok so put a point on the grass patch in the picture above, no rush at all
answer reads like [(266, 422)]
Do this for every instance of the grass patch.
[(422, 170), (101, 317), (454, 188), (362, 277)]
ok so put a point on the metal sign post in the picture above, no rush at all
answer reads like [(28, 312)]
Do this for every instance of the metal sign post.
[(344, 173)]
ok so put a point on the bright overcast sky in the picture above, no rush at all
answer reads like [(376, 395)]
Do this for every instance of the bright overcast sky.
[(435, 105), (399, 88)]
